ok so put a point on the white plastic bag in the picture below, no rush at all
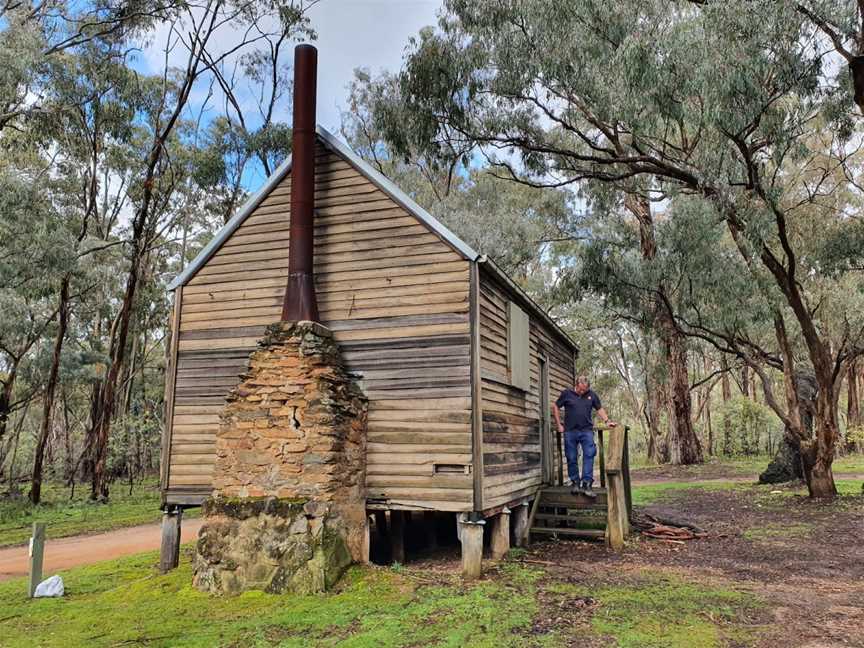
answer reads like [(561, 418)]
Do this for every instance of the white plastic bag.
[(50, 587)]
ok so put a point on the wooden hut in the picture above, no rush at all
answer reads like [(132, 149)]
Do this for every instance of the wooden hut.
[(458, 363)]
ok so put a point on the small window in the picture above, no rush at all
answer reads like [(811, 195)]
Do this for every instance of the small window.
[(518, 348)]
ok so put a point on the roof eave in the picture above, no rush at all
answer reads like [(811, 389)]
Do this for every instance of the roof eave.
[(395, 194), (231, 226), (398, 196)]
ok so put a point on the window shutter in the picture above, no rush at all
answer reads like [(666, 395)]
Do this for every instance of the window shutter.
[(518, 349)]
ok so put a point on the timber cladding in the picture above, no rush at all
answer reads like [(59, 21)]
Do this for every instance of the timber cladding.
[(396, 297), (511, 415)]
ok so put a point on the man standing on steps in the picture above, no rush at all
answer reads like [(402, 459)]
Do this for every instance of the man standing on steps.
[(579, 404)]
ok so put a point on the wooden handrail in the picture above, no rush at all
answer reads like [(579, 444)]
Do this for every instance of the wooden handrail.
[(615, 456), (617, 469), (601, 456), (628, 490)]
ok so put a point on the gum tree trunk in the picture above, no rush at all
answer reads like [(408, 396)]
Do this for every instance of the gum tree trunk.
[(655, 390), (50, 389), (788, 464), (726, 391), (853, 408), (684, 445)]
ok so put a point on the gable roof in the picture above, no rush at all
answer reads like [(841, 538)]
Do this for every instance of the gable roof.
[(391, 190)]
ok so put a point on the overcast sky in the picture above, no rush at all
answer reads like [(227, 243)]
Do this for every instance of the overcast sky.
[(361, 33), (371, 34)]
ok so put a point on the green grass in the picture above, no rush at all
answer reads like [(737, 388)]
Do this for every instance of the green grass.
[(773, 531), (65, 517), (735, 466), (766, 493), (665, 611), (126, 602), (742, 466), (650, 493), (853, 463)]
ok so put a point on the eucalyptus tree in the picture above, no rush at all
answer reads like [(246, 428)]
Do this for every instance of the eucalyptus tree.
[(33, 33), (199, 32), (842, 21), (516, 225), (32, 253), (85, 121), (716, 101)]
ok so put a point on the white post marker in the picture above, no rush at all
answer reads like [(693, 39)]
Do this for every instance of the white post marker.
[(36, 551)]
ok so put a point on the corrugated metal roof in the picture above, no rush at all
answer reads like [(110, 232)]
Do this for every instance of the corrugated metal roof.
[(392, 191)]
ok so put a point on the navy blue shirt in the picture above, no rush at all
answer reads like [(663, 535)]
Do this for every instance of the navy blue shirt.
[(578, 410)]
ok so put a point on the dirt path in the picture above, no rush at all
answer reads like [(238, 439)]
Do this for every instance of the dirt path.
[(64, 553), (802, 558)]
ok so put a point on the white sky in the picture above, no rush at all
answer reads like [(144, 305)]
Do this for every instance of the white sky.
[(351, 33), (371, 34), (361, 33)]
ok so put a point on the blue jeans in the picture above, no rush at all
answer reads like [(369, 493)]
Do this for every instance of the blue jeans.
[(572, 440)]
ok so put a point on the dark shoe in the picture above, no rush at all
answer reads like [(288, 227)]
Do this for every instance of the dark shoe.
[(587, 492), (575, 488)]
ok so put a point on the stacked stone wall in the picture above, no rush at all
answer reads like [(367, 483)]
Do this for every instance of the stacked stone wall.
[(289, 479)]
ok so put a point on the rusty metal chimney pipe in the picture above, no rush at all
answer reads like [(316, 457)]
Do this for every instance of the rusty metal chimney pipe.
[(300, 301)]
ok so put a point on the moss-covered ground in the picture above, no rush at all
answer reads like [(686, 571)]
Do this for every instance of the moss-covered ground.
[(658, 610), (729, 589), (68, 516), (125, 602), (650, 493)]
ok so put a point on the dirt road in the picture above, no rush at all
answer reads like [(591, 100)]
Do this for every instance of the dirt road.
[(64, 553)]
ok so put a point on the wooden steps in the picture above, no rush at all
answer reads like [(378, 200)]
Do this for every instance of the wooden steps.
[(586, 534), (558, 513)]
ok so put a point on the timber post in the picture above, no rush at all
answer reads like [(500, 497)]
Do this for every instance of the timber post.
[(500, 540), (471, 537), (366, 549), (430, 528), (625, 467), (618, 522), (520, 524), (37, 550), (169, 550), (397, 537)]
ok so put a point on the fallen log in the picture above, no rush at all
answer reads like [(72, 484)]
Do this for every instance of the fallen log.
[(674, 522), (667, 528)]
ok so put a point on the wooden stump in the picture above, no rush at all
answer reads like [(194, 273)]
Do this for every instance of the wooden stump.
[(471, 537), (169, 554), (500, 540), (366, 550), (520, 524), (397, 537), (430, 522)]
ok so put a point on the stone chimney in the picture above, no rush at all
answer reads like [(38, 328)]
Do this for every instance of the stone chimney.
[(288, 511)]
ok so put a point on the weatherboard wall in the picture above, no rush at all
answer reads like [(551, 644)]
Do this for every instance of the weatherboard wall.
[(511, 416), (397, 299)]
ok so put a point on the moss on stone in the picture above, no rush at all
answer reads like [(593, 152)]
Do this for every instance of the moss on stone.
[(242, 508)]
